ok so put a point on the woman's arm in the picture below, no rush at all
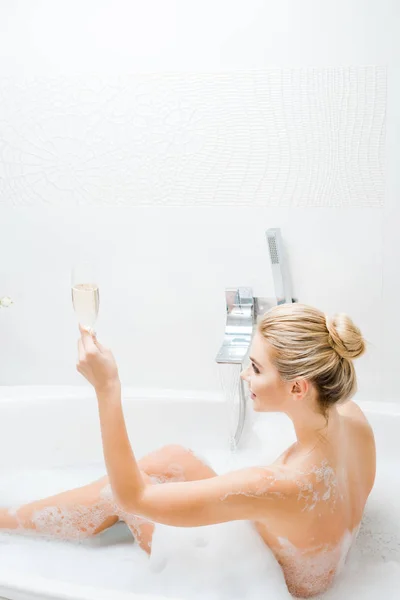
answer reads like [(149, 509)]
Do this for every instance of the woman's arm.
[(122, 469), (247, 494)]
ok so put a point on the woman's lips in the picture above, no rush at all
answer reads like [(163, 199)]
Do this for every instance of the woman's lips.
[(252, 396)]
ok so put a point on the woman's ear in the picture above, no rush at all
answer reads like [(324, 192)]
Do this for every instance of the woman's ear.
[(300, 388), (295, 388)]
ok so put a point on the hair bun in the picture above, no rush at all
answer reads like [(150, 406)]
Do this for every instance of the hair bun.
[(344, 336)]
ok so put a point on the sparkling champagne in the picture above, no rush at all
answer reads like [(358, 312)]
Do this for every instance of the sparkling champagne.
[(86, 299)]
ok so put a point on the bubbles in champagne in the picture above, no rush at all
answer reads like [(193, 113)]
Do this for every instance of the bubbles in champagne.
[(85, 298)]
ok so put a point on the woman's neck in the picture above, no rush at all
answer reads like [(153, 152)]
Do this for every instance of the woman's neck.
[(311, 425)]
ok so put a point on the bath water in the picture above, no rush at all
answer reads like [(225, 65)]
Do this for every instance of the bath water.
[(216, 562)]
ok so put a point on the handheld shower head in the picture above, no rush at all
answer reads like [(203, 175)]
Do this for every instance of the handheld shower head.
[(283, 290)]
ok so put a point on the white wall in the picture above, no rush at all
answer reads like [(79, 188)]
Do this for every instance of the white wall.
[(169, 236)]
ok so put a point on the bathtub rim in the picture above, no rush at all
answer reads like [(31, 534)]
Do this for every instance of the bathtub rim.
[(56, 393), (64, 392), (41, 588)]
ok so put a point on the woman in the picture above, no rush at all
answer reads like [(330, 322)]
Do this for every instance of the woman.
[(306, 506)]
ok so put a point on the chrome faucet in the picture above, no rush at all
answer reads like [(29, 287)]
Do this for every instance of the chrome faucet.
[(242, 312), (240, 318)]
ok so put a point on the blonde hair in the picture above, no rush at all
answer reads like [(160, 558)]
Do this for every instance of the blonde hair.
[(306, 343)]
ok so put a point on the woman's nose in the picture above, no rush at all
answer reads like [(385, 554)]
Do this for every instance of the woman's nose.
[(243, 374)]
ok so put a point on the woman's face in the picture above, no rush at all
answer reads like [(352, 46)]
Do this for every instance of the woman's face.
[(267, 390)]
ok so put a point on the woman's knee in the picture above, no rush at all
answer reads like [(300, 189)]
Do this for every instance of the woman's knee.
[(175, 462), (177, 452)]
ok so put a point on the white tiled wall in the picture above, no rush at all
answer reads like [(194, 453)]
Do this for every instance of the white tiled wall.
[(261, 137), (169, 207)]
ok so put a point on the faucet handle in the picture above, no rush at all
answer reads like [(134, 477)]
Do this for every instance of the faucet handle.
[(239, 306), (239, 325), (238, 297)]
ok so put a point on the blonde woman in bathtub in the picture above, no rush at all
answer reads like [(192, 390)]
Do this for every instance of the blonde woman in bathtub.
[(306, 506)]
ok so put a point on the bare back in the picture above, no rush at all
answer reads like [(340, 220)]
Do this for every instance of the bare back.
[(312, 537)]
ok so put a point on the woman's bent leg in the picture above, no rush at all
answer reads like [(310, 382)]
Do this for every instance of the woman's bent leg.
[(167, 464), (88, 510)]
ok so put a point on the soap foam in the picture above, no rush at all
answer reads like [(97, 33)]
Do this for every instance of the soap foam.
[(222, 561)]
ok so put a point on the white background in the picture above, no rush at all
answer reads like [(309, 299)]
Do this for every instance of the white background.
[(164, 267)]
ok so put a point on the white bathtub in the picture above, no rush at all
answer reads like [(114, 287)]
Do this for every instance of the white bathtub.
[(53, 427)]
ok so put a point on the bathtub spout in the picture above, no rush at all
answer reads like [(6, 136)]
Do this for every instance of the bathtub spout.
[(242, 310)]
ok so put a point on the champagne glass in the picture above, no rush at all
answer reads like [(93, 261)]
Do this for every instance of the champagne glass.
[(85, 294)]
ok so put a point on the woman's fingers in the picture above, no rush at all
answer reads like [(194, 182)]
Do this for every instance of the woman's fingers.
[(98, 345), (87, 341), (81, 350), (90, 336), (96, 363), (81, 356)]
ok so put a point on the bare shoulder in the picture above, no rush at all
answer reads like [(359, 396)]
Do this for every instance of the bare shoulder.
[(353, 412), (362, 438), (358, 423)]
